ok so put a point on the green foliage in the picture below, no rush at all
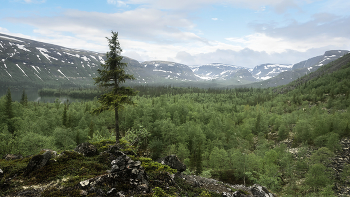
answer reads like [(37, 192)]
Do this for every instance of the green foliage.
[(156, 146), (282, 132), (9, 112), (64, 116), (345, 175), (159, 192), (317, 177), (24, 99), (322, 155), (31, 143)]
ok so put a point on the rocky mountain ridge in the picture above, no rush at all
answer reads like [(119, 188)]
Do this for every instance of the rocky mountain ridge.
[(25, 62)]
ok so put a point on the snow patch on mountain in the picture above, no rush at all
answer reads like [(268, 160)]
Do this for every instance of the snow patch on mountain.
[(22, 47), (62, 73), (101, 60), (8, 73), (38, 76), (35, 69), (44, 52), (22, 70)]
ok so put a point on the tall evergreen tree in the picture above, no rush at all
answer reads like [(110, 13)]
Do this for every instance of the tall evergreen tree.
[(8, 111), (64, 116), (24, 99), (111, 77)]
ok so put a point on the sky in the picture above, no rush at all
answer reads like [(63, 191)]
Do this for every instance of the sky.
[(193, 32)]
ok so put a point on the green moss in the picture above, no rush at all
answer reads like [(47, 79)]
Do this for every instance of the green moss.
[(151, 166), (13, 168), (103, 144), (244, 192), (205, 193), (159, 192)]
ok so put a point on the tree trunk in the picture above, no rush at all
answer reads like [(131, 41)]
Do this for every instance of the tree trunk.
[(116, 109), (117, 134)]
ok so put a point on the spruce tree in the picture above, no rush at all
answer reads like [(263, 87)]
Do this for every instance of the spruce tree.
[(111, 77), (64, 116), (8, 111), (24, 99)]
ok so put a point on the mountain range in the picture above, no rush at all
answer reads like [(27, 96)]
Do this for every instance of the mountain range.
[(25, 62)]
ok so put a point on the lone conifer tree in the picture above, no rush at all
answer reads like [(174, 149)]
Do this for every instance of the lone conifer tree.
[(8, 111), (24, 99), (111, 76)]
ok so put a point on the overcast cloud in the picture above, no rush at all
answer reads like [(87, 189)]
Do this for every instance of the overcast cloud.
[(193, 32)]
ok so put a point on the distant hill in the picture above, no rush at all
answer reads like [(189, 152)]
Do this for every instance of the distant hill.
[(300, 69), (328, 69)]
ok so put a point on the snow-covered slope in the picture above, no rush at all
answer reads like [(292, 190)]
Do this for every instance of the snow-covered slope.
[(27, 61), (321, 60), (267, 71), (164, 70), (215, 71)]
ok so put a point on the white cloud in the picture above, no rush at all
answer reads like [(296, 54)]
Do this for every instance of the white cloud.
[(279, 5), (214, 19), (262, 42), (117, 2), (150, 24)]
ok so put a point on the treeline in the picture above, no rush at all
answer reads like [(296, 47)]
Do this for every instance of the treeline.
[(156, 91), (81, 93)]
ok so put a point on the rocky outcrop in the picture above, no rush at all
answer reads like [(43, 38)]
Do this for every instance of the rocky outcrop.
[(338, 163), (173, 162), (260, 191), (37, 162), (126, 175), (86, 149)]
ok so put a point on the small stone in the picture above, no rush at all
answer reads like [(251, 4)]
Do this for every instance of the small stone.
[(115, 168), (137, 163), (134, 171), (85, 183)]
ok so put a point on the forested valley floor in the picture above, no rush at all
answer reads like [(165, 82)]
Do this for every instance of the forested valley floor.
[(284, 140)]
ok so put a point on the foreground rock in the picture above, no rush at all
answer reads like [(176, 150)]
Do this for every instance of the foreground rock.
[(37, 162), (173, 162), (125, 176)]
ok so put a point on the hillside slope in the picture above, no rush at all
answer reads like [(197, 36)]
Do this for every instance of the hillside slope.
[(300, 69)]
